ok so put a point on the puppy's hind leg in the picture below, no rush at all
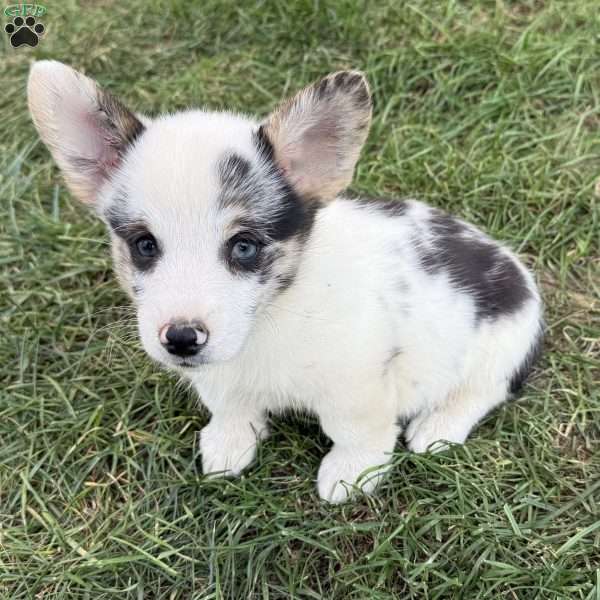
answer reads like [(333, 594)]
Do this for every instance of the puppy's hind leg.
[(453, 420), (503, 353)]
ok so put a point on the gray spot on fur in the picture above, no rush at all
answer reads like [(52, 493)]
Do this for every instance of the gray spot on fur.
[(403, 285), (394, 353), (120, 121), (270, 256), (284, 281), (234, 176), (520, 375), (474, 265), (387, 206)]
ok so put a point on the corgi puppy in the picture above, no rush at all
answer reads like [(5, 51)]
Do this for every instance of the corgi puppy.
[(256, 278)]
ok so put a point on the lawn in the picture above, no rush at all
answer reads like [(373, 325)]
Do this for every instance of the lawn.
[(490, 109)]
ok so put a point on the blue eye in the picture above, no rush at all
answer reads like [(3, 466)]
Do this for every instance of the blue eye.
[(244, 250), (146, 246)]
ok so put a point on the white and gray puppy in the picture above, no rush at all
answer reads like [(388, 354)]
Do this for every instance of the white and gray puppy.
[(255, 278)]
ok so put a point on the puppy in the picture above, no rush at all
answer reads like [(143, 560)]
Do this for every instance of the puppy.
[(258, 280)]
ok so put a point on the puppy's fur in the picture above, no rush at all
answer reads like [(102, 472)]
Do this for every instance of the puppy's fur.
[(368, 312)]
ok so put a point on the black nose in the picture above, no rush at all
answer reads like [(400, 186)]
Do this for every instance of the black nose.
[(183, 340)]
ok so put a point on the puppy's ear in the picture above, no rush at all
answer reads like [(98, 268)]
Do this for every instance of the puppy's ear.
[(87, 129), (318, 134)]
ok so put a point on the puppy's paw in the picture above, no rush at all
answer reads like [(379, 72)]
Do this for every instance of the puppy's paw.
[(429, 432), (341, 470), (228, 449)]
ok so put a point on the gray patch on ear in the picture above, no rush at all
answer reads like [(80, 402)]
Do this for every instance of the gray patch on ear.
[(122, 123), (86, 128), (317, 135), (120, 129), (347, 82)]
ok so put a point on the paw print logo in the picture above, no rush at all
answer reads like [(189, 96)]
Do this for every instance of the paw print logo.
[(24, 31)]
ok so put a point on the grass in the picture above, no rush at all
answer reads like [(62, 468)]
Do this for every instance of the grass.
[(490, 109)]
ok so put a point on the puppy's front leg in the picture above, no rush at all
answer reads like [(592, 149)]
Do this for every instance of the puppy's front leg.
[(228, 442), (362, 441)]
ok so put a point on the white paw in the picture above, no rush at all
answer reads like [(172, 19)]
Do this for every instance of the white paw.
[(341, 469), (228, 449), (429, 432)]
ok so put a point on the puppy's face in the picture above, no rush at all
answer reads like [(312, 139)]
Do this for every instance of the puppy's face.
[(206, 232), (208, 213)]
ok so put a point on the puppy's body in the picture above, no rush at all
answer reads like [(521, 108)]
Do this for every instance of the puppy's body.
[(363, 338), (257, 280)]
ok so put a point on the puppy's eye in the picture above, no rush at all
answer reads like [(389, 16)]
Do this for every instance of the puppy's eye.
[(146, 246), (244, 250)]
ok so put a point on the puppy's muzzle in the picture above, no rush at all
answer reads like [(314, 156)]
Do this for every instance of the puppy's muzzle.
[(183, 339)]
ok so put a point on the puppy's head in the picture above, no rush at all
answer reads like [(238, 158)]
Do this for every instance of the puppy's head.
[(207, 212)]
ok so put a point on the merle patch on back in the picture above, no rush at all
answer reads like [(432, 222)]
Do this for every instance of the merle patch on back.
[(474, 265)]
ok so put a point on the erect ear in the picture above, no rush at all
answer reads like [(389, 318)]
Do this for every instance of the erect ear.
[(86, 128), (317, 135)]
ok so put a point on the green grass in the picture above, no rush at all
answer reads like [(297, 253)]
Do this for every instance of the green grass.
[(490, 109)]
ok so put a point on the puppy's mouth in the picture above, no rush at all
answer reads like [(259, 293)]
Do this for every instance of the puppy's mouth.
[(186, 364), (190, 362)]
